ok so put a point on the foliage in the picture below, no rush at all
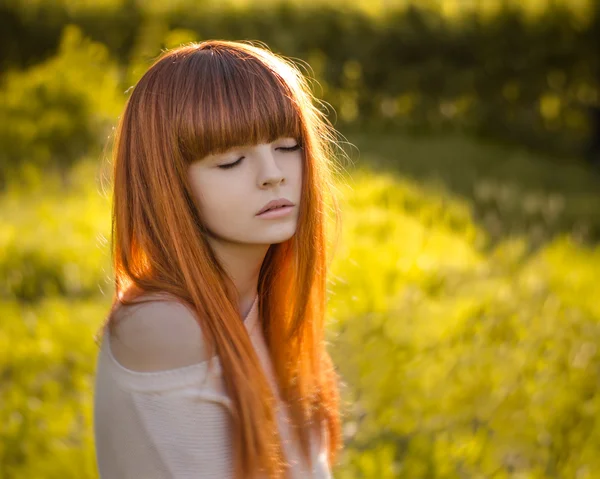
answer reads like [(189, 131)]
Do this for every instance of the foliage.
[(54, 242), (458, 363), (512, 192), (505, 76), (58, 111), (458, 359), (46, 365), (462, 312)]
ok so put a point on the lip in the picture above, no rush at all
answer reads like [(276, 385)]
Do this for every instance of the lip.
[(275, 204), (276, 213)]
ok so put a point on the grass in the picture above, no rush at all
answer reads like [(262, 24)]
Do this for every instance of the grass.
[(512, 192)]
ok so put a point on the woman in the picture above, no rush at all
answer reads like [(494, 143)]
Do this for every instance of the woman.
[(212, 361)]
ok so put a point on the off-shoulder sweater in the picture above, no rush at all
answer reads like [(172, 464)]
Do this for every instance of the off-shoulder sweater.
[(175, 423)]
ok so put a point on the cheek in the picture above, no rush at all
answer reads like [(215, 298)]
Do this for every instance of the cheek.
[(219, 203), (294, 170)]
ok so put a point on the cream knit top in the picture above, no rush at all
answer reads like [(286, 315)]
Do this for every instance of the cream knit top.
[(174, 424)]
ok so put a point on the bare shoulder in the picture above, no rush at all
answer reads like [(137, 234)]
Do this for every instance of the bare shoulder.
[(157, 335)]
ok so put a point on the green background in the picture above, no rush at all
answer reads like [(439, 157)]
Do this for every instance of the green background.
[(463, 313)]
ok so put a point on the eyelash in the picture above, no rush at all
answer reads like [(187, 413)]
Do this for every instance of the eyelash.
[(231, 165)]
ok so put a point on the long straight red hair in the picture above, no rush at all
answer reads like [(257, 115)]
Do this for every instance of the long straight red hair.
[(205, 98)]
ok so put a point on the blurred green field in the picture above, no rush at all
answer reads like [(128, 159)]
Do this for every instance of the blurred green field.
[(468, 348), (512, 191), (463, 314)]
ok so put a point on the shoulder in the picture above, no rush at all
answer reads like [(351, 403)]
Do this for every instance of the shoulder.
[(158, 334)]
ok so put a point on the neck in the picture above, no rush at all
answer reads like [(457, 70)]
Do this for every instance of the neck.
[(242, 262)]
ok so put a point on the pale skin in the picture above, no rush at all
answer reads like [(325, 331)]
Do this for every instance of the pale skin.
[(230, 198)]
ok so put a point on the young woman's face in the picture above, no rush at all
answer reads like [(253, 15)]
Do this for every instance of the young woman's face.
[(231, 188)]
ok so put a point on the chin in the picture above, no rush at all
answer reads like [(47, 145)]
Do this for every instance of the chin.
[(274, 237)]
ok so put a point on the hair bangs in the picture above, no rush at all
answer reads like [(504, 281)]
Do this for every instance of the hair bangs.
[(237, 103)]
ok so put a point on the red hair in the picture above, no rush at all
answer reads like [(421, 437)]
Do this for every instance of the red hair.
[(205, 98)]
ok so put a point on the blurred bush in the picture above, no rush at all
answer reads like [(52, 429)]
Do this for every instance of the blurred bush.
[(508, 76), (47, 356), (512, 192), (56, 112), (459, 363), (55, 241)]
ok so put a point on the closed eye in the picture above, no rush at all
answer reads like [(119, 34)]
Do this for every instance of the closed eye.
[(235, 163), (290, 148), (231, 165)]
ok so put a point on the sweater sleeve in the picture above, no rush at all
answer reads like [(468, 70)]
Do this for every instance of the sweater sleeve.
[(190, 430), (169, 412)]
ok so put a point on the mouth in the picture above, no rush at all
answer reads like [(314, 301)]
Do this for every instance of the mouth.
[(276, 212), (280, 203)]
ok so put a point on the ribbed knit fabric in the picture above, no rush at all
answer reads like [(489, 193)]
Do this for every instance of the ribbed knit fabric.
[(175, 424)]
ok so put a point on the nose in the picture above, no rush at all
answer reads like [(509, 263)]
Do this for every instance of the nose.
[(269, 172)]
